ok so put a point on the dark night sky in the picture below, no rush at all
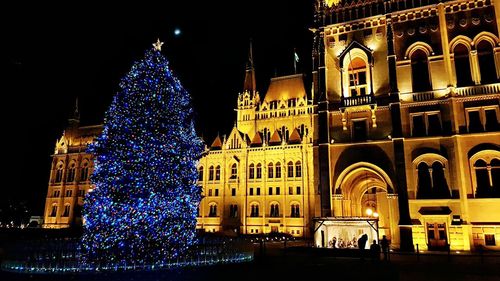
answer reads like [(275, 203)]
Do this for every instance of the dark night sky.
[(54, 53)]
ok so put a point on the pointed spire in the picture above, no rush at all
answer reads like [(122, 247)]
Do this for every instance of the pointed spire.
[(77, 110), (249, 84)]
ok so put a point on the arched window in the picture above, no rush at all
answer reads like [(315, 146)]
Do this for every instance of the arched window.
[(84, 172), (200, 174), (233, 211), (254, 210), (275, 210), (53, 212), (258, 171), (462, 65), (357, 70), (270, 170), (213, 210), (482, 179), (278, 170), (217, 173), (59, 173), (211, 173), (424, 181), (71, 173), (66, 210), (290, 169), (295, 211), (251, 171), (298, 169), (486, 60), (234, 171), (439, 185), (420, 71)]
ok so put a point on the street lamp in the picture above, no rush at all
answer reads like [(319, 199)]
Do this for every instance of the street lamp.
[(369, 212)]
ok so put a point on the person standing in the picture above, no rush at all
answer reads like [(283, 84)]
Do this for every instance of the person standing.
[(375, 251), (385, 247)]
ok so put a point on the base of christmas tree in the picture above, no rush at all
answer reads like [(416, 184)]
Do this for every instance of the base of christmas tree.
[(62, 257)]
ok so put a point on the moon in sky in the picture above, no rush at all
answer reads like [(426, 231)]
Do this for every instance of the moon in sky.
[(177, 32)]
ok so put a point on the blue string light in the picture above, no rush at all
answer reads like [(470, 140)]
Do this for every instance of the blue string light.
[(143, 208)]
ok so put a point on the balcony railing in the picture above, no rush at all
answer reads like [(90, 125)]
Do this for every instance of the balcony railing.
[(358, 100), (478, 90)]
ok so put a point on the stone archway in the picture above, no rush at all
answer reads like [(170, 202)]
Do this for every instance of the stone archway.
[(365, 186)]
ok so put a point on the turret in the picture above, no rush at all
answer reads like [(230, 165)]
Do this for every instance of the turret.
[(248, 99)]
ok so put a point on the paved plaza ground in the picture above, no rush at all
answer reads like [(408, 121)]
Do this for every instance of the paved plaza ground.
[(292, 263)]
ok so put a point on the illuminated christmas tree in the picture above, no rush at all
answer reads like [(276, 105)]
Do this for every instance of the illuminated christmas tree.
[(143, 208)]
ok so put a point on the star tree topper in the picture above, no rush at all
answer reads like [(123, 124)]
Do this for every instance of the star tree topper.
[(158, 45)]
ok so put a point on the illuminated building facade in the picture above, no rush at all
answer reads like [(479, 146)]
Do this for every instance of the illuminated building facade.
[(259, 179), (402, 120), (408, 111)]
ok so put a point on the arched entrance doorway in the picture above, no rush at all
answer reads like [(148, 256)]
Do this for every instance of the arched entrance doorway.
[(366, 191)]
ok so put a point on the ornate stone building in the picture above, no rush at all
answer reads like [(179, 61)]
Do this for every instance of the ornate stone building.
[(408, 110), (70, 172), (399, 135)]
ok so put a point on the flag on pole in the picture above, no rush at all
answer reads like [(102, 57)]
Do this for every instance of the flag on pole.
[(295, 59)]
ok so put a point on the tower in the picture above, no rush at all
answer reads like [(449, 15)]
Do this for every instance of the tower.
[(248, 99)]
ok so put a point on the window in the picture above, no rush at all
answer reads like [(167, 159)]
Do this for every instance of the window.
[(251, 171), (254, 210), (258, 191), (59, 172), (81, 193), (71, 173), (66, 211), (233, 211), (357, 77), (489, 240), (211, 173), (217, 173), (278, 170), (426, 124), (491, 120), (481, 118), (56, 193), (432, 182), (290, 169), (270, 170), (486, 62), (69, 193), (487, 178), (216, 192), (418, 129), (84, 172), (233, 191), (475, 124), (295, 211), (434, 125), (251, 191), (290, 190), (274, 211), (298, 169), (278, 190), (210, 192), (462, 66), (298, 190), (270, 191), (234, 171), (420, 71), (359, 130), (200, 174), (53, 212), (259, 171), (213, 211)]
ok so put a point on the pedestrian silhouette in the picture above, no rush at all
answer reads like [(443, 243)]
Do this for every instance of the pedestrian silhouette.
[(362, 241), (375, 251), (385, 247)]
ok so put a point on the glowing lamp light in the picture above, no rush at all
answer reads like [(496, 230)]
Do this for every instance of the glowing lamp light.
[(375, 214), (177, 32), (369, 212)]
